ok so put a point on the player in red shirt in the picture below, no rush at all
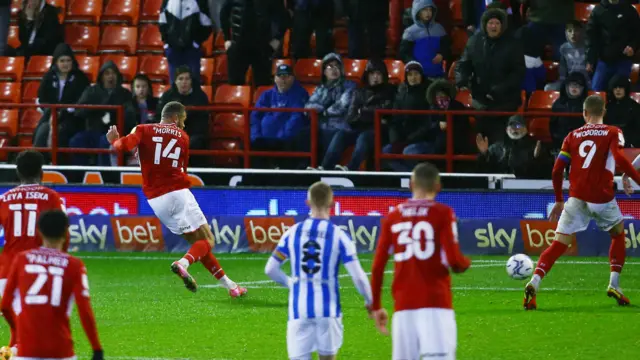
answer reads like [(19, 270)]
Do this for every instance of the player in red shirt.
[(422, 236), (163, 150), (40, 290), (593, 151)]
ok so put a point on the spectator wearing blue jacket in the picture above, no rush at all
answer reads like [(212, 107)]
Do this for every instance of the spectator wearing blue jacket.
[(426, 41), (275, 131)]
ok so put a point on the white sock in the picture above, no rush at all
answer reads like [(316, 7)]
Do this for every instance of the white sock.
[(614, 281), (227, 283), (184, 262), (535, 280)]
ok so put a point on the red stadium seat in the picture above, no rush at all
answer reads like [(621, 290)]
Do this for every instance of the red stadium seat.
[(459, 38), (10, 92), (13, 40), (16, 6), (341, 40), (232, 95), (207, 47), (117, 38), (308, 70), (9, 121), (4, 141), (218, 42), (25, 140), (150, 11), (552, 71), (602, 94), (635, 96), (465, 98), (155, 67), (310, 88), (583, 11), (36, 68), (29, 120), (543, 100), (121, 11), (159, 89), (150, 39), (635, 73), (259, 91), (456, 10), (82, 38), (128, 65), (278, 62), (30, 91), (11, 68), (206, 71), (354, 69), (227, 161), (396, 70), (90, 65), (84, 11), (539, 129), (228, 126), (220, 72), (208, 89)]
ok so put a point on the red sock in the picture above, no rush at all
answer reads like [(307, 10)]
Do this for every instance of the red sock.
[(211, 263), (549, 257), (13, 340), (617, 252), (198, 250)]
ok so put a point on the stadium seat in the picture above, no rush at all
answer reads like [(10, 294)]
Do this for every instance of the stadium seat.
[(10, 92), (552, 71), (635, 96), (36, 68), (452, 71), (207, 47), (28, 121), (9, 121), (259, 91), (11, 68), (233, 95), (465, 98), (354, 69), (30, 91), (456, 10), (159, 89), (90, 65), (208, 89), (218, 42), (220, 73), (13, 40), (84, 11), (459, 38), (150, 11), (4, 141), (206, 71), (341, 40), (542, 100), (155, 67), (308, 70), (62, 5), (16, 5), (117, 38), (635, 73), (25, 140), (228, 126), (149, 39), (278, 62), (121, 11), (583, 11), (539, 129), (396, 70), (310, 88), (227, 161), (602, 94), (128, 65), (82, 38)]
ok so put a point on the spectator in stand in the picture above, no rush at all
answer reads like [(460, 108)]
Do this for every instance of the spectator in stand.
[(312, 16), (64, 83), (186, 90), (612, 41), (331, 100), (572, 56), (253, 32), (426, 40), (533, 48), (492, 65), (38, 29), (143, 99), (622, 110), (376, 94), (368, 17), (572, 96), (547, 20), (442, 97), (520, 154), (184, 26), (107, 91), (472, 11), (275, 131)]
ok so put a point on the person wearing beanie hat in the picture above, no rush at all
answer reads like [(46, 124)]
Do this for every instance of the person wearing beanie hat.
[(572, 95), (622, 110)]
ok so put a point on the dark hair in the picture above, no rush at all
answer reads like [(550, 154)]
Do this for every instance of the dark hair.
[(575, 24), (53, 225), (171, 109), (142, 77), (29, 165), (426, 176), (181, 70)]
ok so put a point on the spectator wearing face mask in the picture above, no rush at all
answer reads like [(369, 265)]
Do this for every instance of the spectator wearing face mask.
[(144, 100), (622, 110), (572, 96)]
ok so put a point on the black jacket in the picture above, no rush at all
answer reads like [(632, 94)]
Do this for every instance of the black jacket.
[(516, 157), (492, 66), (408, 98), (185, 22), (610, 29), (461, 124), (98, 95), (49, 92), (561, 126), (624, 113), (197, 123), (369, 98), (251, 22), (48, 32)]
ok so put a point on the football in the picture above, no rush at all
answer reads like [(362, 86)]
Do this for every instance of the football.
[(519, 266), (5, 353)]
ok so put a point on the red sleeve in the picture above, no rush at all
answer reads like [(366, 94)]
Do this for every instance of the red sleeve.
[(449, 241), (130, 141), (9, 290), (56, 203), (380, 262), (81, 294)]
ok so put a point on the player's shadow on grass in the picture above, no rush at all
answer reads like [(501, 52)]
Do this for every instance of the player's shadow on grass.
[(261, 303), (593, 308)]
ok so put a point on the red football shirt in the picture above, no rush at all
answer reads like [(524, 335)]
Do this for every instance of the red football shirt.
[(46, 282), (20, 208), (422, 236), (163, 150), (591, 151)]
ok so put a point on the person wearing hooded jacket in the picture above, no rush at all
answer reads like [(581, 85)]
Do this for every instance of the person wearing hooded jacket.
[(622, 110), (426, 41), (376, 94), (39, 29), (571, 100), (108, 90), (64, 83)]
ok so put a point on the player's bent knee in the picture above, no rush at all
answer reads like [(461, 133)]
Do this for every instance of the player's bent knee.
[(617, 229), (327, 357), (564, 238)]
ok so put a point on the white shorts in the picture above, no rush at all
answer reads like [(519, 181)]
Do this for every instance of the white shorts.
[(577, 214), (424, 334), (178, 211), (305, 336)]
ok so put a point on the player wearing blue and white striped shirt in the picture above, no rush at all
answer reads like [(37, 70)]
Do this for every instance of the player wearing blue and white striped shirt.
[(315, 249)]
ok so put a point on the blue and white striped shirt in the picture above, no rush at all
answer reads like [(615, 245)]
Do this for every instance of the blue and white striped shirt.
[(315, 248)]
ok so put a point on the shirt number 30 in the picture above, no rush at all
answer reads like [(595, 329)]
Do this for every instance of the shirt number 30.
[(410, 234)]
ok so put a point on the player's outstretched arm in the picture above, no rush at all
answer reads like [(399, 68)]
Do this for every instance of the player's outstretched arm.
[(449, 240), (126, 143), (88, 320), (274, 271), (625, 165)]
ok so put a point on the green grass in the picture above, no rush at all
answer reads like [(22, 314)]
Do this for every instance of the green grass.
[(143, 311)]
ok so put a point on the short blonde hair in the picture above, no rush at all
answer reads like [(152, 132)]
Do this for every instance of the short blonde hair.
[(594, 106), (320, 195)]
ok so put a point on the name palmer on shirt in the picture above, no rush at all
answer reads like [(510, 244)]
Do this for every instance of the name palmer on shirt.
[(27, 195), (42, 259), (160, 130)]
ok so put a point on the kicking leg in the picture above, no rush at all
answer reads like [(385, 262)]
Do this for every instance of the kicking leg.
[(617, 253), (545, 263)]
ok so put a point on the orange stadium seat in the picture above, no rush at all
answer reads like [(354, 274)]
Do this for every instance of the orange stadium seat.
[(635, 73), (552, 70), (155, 67), (539, 129), (396, 70), (128, 65), (117, 38), (341, 40), (208, 89), (25, 140), (228, 126), (354, 69), (207, 46), (10, 92), (13, 40), (159, 89), (30, 91), (82, 38), (36, 68), (220, 73), (11, 68), (583, 11), (218, 42), (464, 96), (4, 141), (278, 62), (310, 88), (635, 96), (308, 70), (150, 11), (259, 91), (122, 11), (29, 120), (206, 71), (90, 65), (232, 95), (84, 11), (286, 43), (149, 39), (542, 100), (227, 161), (9, 121)]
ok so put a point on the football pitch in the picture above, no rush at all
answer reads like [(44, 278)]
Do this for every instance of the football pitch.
[(144, 312)]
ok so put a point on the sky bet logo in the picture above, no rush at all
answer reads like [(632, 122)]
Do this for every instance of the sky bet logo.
[(137, 233), (495, 238)]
